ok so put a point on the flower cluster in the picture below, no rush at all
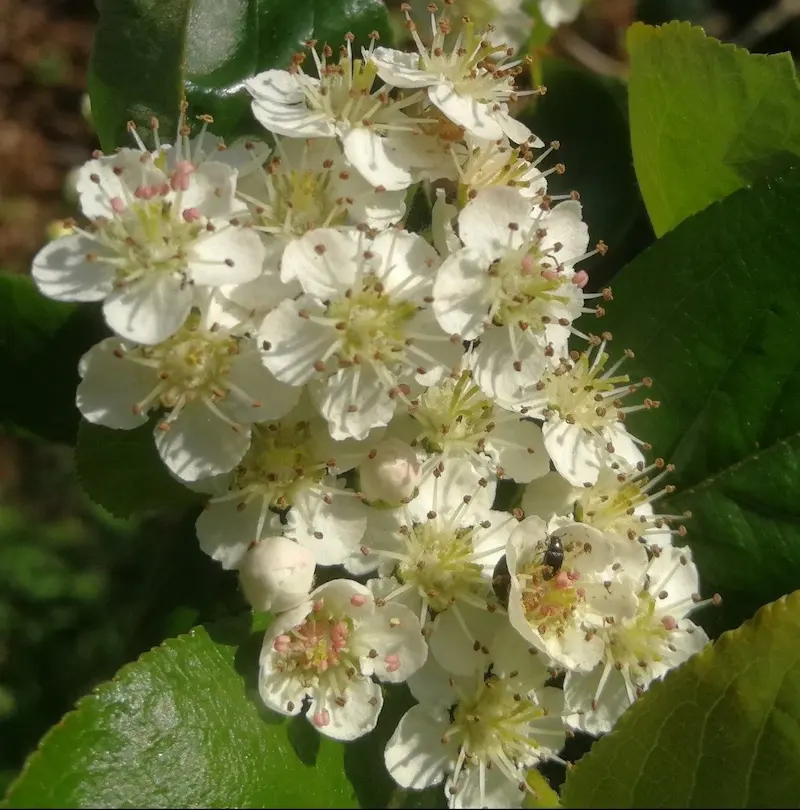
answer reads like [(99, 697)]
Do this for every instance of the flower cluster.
[(349, 392)]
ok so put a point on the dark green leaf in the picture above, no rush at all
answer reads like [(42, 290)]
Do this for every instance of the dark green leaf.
[(122, 471), (723, 730), (595, 148), (711, 311), (182, 727), (705, 118), (150, 54), (41, 342)]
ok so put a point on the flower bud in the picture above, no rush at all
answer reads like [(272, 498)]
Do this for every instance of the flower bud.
[(390, 473), (276, 574)]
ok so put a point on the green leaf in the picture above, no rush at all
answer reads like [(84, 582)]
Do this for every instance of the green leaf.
[(705, 118), (41, 342), (597, 158), (150, 54), (711, 311), (183, 727), (723, 730), (122, 471)]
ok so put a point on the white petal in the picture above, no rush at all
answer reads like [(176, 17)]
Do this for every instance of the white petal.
[(579, 691), (462, 293), (475, 116), (442, 232), (492, 364), (557, 12), (393, 631), (149, 310), (225, 531), (323, 261), (357, 387), (433, 686), (575, 453), (374, 158), (414, 755), (268, 398), (212, 189), (279, 104), (229, 255), (291, 344), (401, 69), (445, 494), (483, 225), (405, 264), (279, 691), (62, 271), (454, 648), (353, 720), (550, 495), (199, 444), (518, 447), (625, 447), (514, 130), (564, 225), (499, 791), (331, 531), (111, 386)]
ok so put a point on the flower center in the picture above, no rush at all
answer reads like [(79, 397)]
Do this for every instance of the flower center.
[(550, 597), (524, 291), (453, 415), (640, 641), (318, 645), (193, 364), (370, 324), (495, 726), (440, 564), (279, 464)]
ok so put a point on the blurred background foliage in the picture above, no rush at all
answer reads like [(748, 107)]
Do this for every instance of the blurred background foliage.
[(81, 592)]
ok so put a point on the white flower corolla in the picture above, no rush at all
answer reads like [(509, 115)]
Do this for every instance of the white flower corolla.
[(566, 586), (642, 647), (580, 401), (559, 12), (513, 286), (479, 733), (322, 656), (207, 382), (455, 418), (342, 103), (441, 547), (276, 574), (364, 332), (159, 226), (292, 464), (620, 502), (390, 473), (470, 80)]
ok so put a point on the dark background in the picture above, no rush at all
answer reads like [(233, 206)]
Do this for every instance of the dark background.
[(82, 593)]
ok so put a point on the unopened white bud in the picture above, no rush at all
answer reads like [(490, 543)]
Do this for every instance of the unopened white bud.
[(276, 574), (390, 473)]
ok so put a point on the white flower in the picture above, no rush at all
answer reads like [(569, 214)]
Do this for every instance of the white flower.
[(341, 104), (558, 12), (454, 417), (390, 472), (276, 574), (292, 464), (580, 401), (512, 285), (461, 80), (620, 502), (364, 331), (160, 225), (208, 382), (440, 548), (479, 733), (324, 655), (642, 647), (560, 607)]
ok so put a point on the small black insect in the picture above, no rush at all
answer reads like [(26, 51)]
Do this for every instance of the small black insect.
[(553, 556), (501, 581)]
